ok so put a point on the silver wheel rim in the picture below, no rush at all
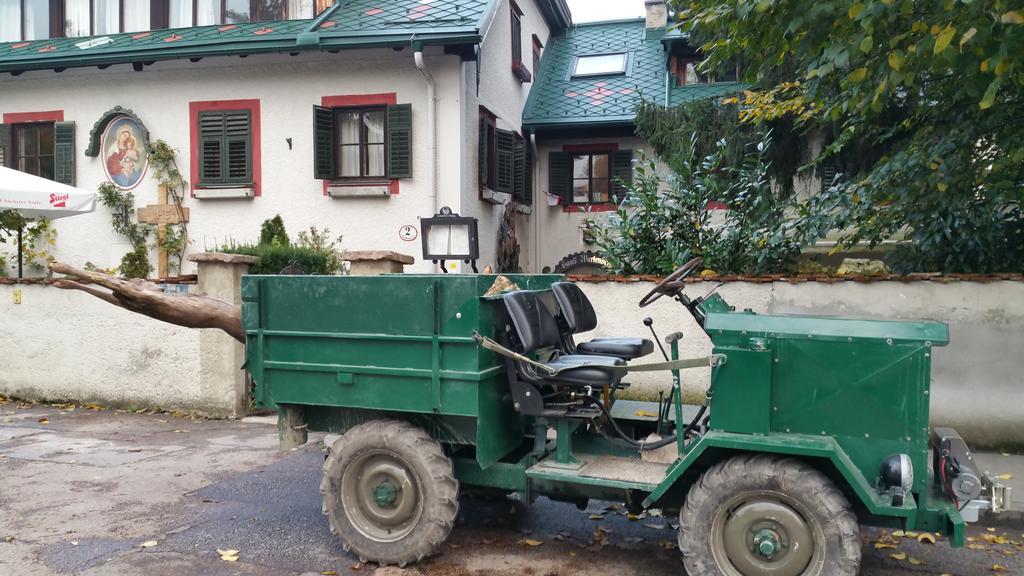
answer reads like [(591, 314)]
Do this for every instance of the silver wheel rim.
[(766, 533), (381, 496)]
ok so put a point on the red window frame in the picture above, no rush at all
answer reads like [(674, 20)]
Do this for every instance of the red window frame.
[(41, 117), (492, 151), (253, 106), (597, 148), (356, 101), (538, 48)]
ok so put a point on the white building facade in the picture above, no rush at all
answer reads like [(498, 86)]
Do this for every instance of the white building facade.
[(398, 89)]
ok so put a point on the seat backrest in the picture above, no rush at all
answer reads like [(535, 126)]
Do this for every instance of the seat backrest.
[(577, 310), (533, 321)]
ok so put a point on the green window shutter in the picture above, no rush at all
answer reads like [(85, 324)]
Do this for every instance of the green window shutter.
[(484, 159), (238, 147), (323, 143), (64, 152), (400, 141), (560, 175), (5, 144), (225, 148), (519, 170), (622, 174), (528, 176), (505, 179), (211, 144)]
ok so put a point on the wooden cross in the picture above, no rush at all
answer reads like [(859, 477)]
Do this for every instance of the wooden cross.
[(161, 214)]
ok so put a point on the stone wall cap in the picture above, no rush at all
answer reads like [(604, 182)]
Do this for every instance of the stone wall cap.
[(376, 255), (223, 258)]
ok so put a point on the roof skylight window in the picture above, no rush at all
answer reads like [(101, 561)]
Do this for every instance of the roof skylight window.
[(600, 65)]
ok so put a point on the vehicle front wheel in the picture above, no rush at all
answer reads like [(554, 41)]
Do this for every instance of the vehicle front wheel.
[(756, 515), (389, 492)]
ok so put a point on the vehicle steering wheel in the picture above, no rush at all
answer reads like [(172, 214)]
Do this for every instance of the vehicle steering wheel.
[(673, 284)]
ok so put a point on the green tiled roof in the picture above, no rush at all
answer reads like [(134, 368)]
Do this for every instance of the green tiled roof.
[(559, 100), (353, 23)]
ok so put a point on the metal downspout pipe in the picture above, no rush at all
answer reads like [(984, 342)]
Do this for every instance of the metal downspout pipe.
[(431, 121)]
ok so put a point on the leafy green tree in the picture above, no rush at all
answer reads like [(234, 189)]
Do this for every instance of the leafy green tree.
[(272, 231), (921, 102), (661, 224)]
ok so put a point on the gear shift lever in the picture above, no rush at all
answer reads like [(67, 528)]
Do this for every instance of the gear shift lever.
[(650, 324)]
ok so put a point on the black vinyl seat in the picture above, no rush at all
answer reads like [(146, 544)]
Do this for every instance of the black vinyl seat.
[(578, 315), (537, 329)]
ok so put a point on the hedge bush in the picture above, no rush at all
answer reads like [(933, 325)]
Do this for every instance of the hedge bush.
[(277, 257)]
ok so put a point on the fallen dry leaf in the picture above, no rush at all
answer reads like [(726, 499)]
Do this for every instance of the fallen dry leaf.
[(667, 544), (597, 517), (1004, 477), (899, 534), (993, 539), (998, 568), (898, 555), (43, 421), (881, 545), (8, 539), (329, 573), (228, 555), (976, 547), (646, 414), (926, 537), (356, 567), (572, 554), (530, 542), (148, 544), (915, 561)]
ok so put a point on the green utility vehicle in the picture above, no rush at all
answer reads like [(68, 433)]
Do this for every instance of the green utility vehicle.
[(811, 426)]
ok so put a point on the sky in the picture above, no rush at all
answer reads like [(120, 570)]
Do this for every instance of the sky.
[(594, 10)]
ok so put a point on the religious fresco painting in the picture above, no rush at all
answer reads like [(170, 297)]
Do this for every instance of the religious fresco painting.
[(124, 152)]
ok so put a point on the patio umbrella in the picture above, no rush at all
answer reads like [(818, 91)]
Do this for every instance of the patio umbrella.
[(35, 197)]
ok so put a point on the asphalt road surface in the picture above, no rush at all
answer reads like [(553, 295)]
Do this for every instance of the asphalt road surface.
[(100, 492)]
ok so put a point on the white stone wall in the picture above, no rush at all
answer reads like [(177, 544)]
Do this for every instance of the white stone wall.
[(977, 385), (66, 345), (287, 88)]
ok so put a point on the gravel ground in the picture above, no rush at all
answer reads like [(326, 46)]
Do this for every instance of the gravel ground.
[(102, 492)]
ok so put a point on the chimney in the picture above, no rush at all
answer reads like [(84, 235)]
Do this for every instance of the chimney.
[(657, 13)]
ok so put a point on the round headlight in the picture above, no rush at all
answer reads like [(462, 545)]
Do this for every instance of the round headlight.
[(897, 472)]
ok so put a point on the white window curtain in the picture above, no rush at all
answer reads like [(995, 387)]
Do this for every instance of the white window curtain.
[(37, 19), (136, 16), (299, 9), (349, 153), (207, 12), (374, 122), (181, 14), (107, 17), (76, 18), (10, 20)]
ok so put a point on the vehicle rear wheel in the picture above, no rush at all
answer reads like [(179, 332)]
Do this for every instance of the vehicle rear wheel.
[(757, 515), (389, 492)]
